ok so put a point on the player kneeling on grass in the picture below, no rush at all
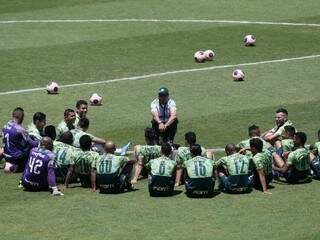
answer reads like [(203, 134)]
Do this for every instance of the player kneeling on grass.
[(144, 153), (112, 172), (314, 158), (233, 171), (200, 171), (84, 164), (262, 161), (297, 167), (183, 154), (161, 181), (39, 172)]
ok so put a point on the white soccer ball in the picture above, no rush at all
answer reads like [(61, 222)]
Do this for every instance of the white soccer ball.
[(209, 55), (52, 88), (238, 75), (249, 40), (95, 99), (199, 57)]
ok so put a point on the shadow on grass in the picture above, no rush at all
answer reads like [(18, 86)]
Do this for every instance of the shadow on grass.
[(175, 192)]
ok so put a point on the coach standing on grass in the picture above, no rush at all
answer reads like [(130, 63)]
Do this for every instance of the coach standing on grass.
[(164, 113)]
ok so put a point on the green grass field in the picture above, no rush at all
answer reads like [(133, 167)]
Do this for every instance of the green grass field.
[(209, 103)]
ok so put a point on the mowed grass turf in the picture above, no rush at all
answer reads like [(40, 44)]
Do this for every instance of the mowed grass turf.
[(209, 102)]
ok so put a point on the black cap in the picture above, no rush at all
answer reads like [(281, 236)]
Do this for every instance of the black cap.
[(163, 91)]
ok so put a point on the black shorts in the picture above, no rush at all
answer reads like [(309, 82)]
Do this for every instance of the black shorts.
[(199, 187), (294, 176), (112, 183), (33, 187), (234, 184), (255, 180), (160, 186), (85, 179)]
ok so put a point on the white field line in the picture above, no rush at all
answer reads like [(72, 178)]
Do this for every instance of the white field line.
[(134, 78), (158, 20)]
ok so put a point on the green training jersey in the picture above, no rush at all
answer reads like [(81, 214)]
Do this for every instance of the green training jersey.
[(199, 167), (246, 144), (263, 161), (85, 161), (61, 129), (184, 154), (162, 166), (279, 131), (287, 145), (149, 152), (299, 159), (65, 154), (236, 164), (317, 147), (77, 134), (110, 163), (34, 132)]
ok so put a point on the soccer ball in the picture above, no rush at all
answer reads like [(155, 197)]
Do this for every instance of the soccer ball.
[(52, 88), (95, 99), (249, 40), (209, 54), (238, 75), (199, 57)]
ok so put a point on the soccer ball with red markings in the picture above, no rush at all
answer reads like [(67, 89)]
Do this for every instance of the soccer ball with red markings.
[(249, 40), (209, 55), (238, 75), (52, 88), (200, 57), (95, 99)]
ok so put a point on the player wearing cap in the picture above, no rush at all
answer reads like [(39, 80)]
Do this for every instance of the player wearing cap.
[(164, 113)]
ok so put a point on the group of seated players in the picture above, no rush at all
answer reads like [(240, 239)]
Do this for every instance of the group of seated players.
[(68, 154)]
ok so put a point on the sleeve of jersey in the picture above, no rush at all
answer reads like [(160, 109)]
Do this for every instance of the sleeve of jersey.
[(257, 161), (290, 158), (51, 174)]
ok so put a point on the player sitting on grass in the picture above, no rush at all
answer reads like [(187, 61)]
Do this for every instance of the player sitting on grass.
[(36, 128), (161, 182), (276, 134), (64, 151), (297, 167), (262, 166), (254, 132), (287, 141), (81, 111), (183, 154), (314, 158), (84, 164), (144, 153), (39, 172), (67, 124), (200, 171), (233, 171), (112, 172), (17, 143), (82, 129)]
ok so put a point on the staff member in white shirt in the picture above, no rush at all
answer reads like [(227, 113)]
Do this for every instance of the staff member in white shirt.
[(164, 113)]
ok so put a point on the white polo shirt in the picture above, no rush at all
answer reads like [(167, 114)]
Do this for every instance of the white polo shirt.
[(164, 110)]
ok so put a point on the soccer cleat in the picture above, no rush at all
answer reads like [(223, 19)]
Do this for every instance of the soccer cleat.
[(20, 184), (122, 151)]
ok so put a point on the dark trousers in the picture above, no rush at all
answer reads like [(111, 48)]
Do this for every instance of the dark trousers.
[(168, 134)]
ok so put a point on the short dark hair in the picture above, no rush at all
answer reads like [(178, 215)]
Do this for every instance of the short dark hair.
[(191, 138), (67, 111), (17, 111), (85, 142), (196, 150), (66, 138), (253, 130), (302, 137), (50, 131), (166, 149), (81, 102), (39, 116), (84, 123), (290, 130), (282, 110), (256, 143), (150, 134)]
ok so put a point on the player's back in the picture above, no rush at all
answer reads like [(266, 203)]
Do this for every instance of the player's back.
[(162, 166), (65, 154), (236, 164), (110, 164), (299, 159), (183, 154), (85, 161), (263, 160), (149, 152), (287, 145), (36, 171), (199, 167)]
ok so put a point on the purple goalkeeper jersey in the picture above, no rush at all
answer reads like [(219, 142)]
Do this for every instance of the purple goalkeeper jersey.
[(17, 142), (39, 170)]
